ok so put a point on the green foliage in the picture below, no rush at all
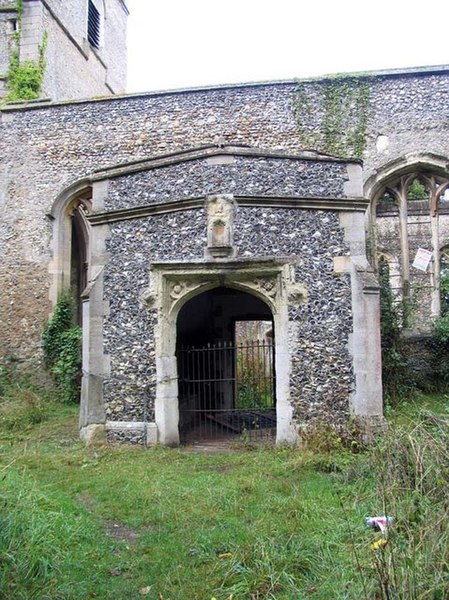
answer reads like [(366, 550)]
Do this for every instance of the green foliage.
[(61, 321), (439, 347), (444, 290), (62, 348), (38, 529), (437, 379), (254, 385), (19, 8), (412, 474), (442, 329), (345, 104), (24, 401), (387, 201), (4, 379), (25, 77), (395, 374), (417, 191), (24, 80), (328, 437), (22, 406), (67, 368)]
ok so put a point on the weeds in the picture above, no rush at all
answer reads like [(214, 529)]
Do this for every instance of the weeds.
[(396, 380), (37, 533), (411, 468)]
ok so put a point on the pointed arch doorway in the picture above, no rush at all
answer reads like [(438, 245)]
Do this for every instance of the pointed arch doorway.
[(226, 367)]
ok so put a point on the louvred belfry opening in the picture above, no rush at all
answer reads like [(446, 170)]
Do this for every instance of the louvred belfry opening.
[(93, 25)]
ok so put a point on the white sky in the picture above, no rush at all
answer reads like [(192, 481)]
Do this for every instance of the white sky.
[(188, 43)]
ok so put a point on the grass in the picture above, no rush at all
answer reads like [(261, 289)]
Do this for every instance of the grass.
[(124, 523)]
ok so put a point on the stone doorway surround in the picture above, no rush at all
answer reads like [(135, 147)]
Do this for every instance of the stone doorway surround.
[(172, 285), (270, 277)]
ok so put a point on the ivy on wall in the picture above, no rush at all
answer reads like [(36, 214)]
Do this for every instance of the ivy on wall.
[(396, 380), (62, 348), (25, 78), (343, 107)]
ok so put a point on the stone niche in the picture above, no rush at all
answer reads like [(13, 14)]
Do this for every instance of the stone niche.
[(220, 220)]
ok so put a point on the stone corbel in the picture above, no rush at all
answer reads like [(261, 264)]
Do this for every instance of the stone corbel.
[(296, 292), (149, 298), (365, 272)]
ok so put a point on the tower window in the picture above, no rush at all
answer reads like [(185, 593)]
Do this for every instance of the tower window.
[(93, 25)]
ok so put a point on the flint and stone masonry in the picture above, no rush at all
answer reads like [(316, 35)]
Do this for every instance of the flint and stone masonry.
[(147, 176)]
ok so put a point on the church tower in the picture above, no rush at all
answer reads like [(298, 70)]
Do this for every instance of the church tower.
[(62, 49)]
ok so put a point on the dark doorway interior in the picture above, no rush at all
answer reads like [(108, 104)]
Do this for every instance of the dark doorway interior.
[(78, 260), (225, 354)]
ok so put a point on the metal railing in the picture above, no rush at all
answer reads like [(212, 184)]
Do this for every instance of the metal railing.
[(226, 391)]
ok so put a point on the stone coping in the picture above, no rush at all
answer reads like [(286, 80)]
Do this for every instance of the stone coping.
[(386, 73), (214, 150)]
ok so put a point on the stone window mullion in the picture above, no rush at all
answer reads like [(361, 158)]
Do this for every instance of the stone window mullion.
[(401, 194), (437, 189)]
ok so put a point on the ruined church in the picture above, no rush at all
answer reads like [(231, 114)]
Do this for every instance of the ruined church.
[(222, 243)]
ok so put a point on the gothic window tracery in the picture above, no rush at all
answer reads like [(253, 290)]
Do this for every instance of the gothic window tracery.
[(411, 212), (71, 244)]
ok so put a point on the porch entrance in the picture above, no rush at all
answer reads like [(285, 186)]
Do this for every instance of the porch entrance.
[(226, 378)]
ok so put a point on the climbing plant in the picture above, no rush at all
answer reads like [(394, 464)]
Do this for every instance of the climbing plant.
[(344, 116), (62, 348), (25, 78)]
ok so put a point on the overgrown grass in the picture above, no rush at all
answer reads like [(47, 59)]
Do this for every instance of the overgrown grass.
[(23, 403), (413, 483), (126, 523)]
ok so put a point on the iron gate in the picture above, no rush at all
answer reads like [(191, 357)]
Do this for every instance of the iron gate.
[(227, 391)]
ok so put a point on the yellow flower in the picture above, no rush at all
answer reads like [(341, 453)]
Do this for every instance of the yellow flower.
[(379, 544)]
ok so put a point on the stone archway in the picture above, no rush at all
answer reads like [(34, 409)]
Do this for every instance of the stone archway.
[(173, 285), (71, 269)]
